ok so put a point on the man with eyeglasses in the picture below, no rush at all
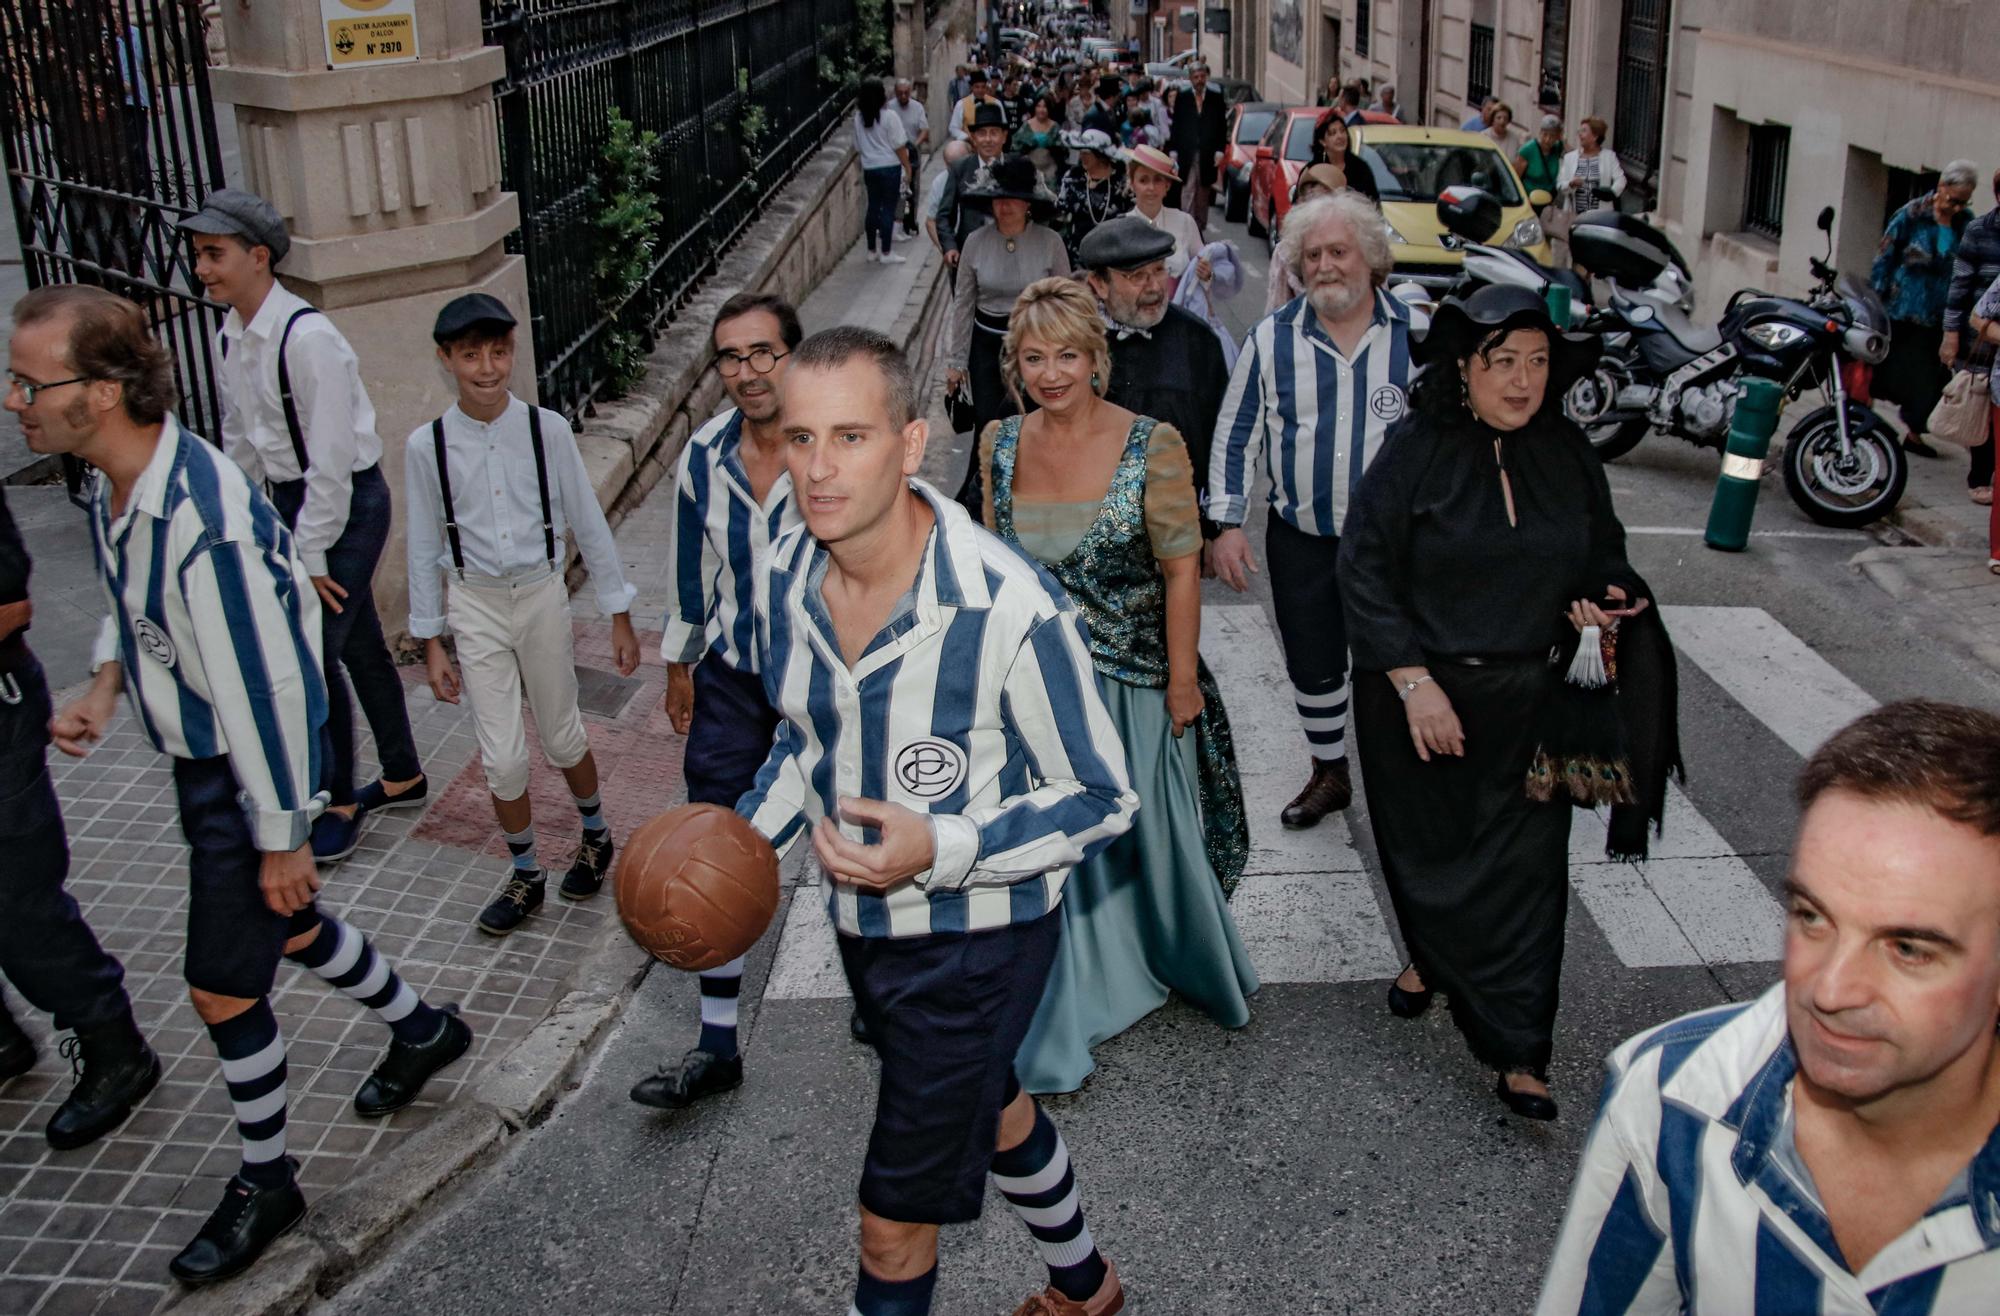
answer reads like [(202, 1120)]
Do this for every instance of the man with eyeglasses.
[(732, 498)]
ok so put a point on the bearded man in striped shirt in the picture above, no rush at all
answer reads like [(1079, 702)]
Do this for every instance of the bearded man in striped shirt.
[(1834, 1145), (944, 742)]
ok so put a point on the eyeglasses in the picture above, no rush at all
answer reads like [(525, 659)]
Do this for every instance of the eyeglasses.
[(1947, 201), (763, 360), (29, 389)]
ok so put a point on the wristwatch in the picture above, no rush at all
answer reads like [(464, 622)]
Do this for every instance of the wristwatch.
[(1403, 691)]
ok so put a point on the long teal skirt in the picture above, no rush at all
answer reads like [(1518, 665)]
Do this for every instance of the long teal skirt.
[(1143, 918)]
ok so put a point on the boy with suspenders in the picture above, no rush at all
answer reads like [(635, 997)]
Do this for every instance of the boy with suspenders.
[(317, 452), (475, 518)]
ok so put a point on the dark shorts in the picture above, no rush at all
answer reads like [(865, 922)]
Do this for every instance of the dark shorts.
[(730, 736), (947, 1013), (234, 939)]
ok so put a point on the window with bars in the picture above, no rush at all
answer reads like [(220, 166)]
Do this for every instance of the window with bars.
[(1364, 23), (1764, 188), (1479, 65)]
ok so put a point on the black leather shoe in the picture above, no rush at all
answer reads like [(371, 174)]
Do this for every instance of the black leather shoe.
[(1528, 1105), (248, 1220), (17, 1049), (409, 1065), (1407, 1004), (115, 1069), (593, 861), (699, 1074), (857, 1028), (518, 899), (1329, 790)]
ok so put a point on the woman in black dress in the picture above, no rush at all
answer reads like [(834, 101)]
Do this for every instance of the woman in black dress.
[(1479, 540)]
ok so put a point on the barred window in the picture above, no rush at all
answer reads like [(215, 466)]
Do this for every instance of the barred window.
[(1479, 65), (1764, 188), (1363, 24)]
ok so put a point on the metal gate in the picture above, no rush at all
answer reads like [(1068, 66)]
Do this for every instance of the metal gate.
[(109, 141), (1642, 89)]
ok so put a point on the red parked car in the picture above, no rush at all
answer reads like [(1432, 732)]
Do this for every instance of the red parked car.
[(1247, 123), (1282, 155)]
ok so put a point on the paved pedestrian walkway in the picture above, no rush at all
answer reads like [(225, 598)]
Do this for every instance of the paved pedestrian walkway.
[(91, 1230)]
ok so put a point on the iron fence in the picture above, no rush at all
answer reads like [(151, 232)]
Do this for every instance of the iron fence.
[(109, 141), (739, 92)]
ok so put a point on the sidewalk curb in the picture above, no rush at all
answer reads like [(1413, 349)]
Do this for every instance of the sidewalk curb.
[(1883, 566)]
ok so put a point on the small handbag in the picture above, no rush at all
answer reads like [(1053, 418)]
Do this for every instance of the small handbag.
[(958, 408), (1961, 415)]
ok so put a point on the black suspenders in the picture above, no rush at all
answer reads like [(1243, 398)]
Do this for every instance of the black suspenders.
[(541, 479), (292, 425)]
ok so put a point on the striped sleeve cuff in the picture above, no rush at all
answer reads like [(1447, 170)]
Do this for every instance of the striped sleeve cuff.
[(281, 831), (682, 642), (1228, 510)]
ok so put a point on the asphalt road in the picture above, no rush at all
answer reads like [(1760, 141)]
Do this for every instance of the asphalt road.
[(1326, 1158)]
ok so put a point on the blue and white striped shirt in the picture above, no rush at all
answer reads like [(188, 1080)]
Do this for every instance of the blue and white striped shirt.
[(1317, 417), (721, 535), (217, 626), (1690, 1198), (976, 704)]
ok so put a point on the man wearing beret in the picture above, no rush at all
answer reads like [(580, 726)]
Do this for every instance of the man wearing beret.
[(1165, 361), (296, 417)]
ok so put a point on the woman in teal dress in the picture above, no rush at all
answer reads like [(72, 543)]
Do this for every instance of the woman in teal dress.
[(1105, 501)]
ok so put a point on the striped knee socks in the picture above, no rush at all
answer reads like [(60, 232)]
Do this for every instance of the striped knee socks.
[(591, 808), (1035, 1178), (893, 1297), (719, 988), (1324, 716), (345, 959), (253, 1069), (521, 845)]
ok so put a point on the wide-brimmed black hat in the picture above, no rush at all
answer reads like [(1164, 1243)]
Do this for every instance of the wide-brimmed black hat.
[(987, 115), (1014, 176), (1462, 324)]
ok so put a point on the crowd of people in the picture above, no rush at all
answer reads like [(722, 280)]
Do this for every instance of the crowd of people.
[(989, 717)]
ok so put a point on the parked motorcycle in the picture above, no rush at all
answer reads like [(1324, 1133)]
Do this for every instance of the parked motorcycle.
[(1472, 217), (1843, 464)]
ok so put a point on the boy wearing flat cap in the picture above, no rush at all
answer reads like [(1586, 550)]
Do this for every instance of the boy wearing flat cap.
[(296, 417), (492, 487)]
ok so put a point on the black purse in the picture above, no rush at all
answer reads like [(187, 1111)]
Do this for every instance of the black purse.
[(958, 408)]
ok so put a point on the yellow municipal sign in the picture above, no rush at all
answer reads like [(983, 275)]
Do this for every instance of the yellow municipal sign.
[(369, 31)]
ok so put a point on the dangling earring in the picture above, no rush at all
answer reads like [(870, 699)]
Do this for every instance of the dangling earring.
[(1096, 382)]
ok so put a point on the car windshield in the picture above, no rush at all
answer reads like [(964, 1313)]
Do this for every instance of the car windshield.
[(1419, 171), (1253, 124), (1299, 141)]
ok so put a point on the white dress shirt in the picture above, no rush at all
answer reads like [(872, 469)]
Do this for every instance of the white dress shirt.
[(336, 419), (1187, 236), (498, 507)]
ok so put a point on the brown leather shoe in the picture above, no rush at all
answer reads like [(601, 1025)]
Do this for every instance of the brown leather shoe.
[(1109, 1298), (1329, 790)]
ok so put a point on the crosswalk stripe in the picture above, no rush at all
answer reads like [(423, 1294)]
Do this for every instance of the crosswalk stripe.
[(1774, 674), (1306, 908)]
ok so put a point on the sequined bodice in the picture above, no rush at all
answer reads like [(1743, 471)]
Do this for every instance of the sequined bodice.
[(1111, 573)]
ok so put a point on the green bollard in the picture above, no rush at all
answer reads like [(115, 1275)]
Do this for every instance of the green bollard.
[(1556, 296), (1750, 430)]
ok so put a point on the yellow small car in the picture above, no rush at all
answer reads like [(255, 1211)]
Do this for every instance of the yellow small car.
[(1413, 165)]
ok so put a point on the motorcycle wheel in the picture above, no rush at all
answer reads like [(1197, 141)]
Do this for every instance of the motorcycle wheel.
[(1846, 492), (1613, 439)]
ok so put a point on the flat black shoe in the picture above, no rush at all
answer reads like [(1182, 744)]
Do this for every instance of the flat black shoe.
[(518, 899), (17, 1049), (115, 1069), (1528, 1105), (593, 861), (1407, 1004), (248, 1220), (857, 1028), (375, 797), (409, 1065), (699, 1074)]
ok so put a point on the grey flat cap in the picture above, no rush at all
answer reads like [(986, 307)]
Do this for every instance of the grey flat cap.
[(241, 214), (1124, 243)]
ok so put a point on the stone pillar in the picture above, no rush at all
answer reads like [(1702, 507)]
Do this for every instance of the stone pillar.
[(389, 176)]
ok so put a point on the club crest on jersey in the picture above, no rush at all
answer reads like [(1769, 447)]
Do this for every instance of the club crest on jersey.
[(929, 768), (153, 642), (1386, 403)]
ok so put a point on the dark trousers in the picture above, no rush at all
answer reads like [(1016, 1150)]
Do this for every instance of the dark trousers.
[(352, 638), (1305, 595), (234, 939), (878, 224), (731, 734), (46, 949), (916, 190)]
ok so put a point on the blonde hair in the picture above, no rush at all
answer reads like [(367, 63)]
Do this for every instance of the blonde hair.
[(1061, 311)]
